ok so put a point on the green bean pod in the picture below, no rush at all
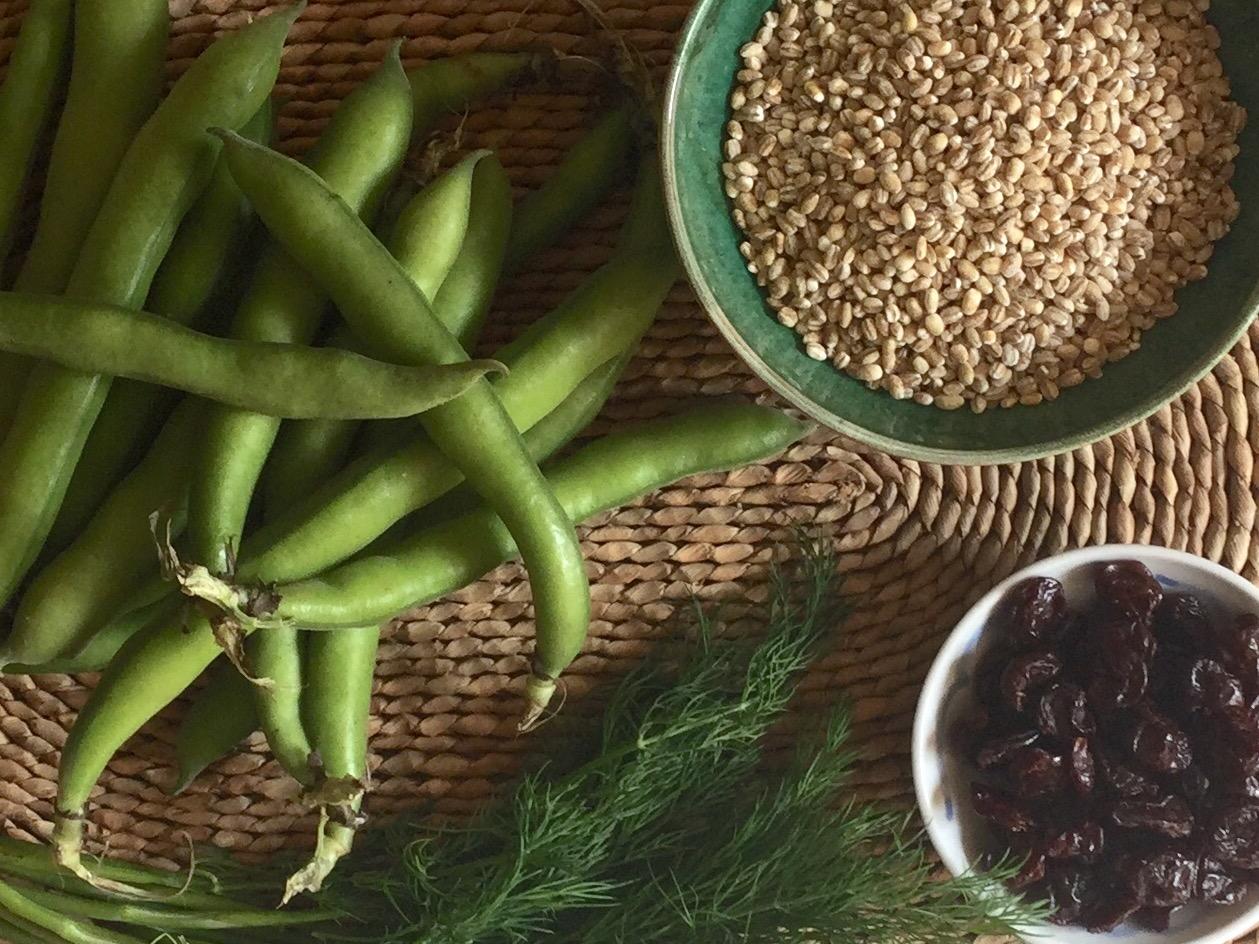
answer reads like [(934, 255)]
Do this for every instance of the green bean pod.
[(285, 304), (473, 430), (164, 170), (273, 379), (116, 80), (596, 164), (447, 86), (469, 211), (223, 714), (92, 578), (206, 247), (28, 99), (306, 452), (605, 474), (336, 709), (157, 664)]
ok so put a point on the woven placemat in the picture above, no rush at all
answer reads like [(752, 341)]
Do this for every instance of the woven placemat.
[(918, 543)]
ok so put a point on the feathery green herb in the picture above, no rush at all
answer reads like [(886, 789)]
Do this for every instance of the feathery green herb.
[(669, 833)]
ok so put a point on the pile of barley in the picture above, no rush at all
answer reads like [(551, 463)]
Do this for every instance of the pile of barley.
[(980, 201)]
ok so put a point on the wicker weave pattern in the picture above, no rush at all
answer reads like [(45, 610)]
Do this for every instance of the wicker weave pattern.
[(918, 542)]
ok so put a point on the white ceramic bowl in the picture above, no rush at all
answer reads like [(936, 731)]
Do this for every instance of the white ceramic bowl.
[(942, 777)]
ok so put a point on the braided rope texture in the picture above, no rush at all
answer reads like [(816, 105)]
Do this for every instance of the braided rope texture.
[(918, 543)]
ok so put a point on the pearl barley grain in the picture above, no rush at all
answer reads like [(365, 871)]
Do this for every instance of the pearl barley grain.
[(980, 200)]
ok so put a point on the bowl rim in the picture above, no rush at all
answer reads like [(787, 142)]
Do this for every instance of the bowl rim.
[(931, 697), (1192, 373)]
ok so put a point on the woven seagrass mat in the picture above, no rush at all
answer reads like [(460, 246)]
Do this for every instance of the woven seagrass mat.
[(918, 543)]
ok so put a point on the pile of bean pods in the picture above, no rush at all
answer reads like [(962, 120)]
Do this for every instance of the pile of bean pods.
[(260, 368)]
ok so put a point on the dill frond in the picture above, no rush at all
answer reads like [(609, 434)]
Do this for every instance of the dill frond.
[(670, 832)]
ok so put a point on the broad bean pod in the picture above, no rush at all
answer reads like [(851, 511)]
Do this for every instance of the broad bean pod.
[(28, 99), (63, 604), (115, 82), (274, 379)]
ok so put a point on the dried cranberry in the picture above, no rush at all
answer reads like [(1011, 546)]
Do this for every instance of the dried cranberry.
[(1072, 890), (1153, 919), (998, 751), (1122, 779), (1063, 713), (1128, 587), (1002, 809), (1110, 912), (1160, 746), (1034, 611), (1027, 673), (1241, 728), (1168, 816), (1081, 767), (1082, 844), (1181, 621), (1034, 772), (1163, 879), (1240, 785), (1120, 689), (1216, 885), (1234, 835), (1196, 786), (1123, 638), (1211, 687)]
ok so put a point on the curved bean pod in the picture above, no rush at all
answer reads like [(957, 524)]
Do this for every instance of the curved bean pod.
[(116, 80), (274, 379), (366, 283), (447, 86), (597, 163), (157, 664), (205, 248), (164, 170), (605, 474), (223, 714), (28, 98), (66, 601), (336, 708)]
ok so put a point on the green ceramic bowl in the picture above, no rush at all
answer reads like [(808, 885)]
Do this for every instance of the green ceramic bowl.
[(1214, 312)]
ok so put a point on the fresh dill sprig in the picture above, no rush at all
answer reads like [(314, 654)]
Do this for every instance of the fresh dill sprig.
[(669, 832)]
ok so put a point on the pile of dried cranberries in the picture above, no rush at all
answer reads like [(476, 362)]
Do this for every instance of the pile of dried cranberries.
[(1119, 748)]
